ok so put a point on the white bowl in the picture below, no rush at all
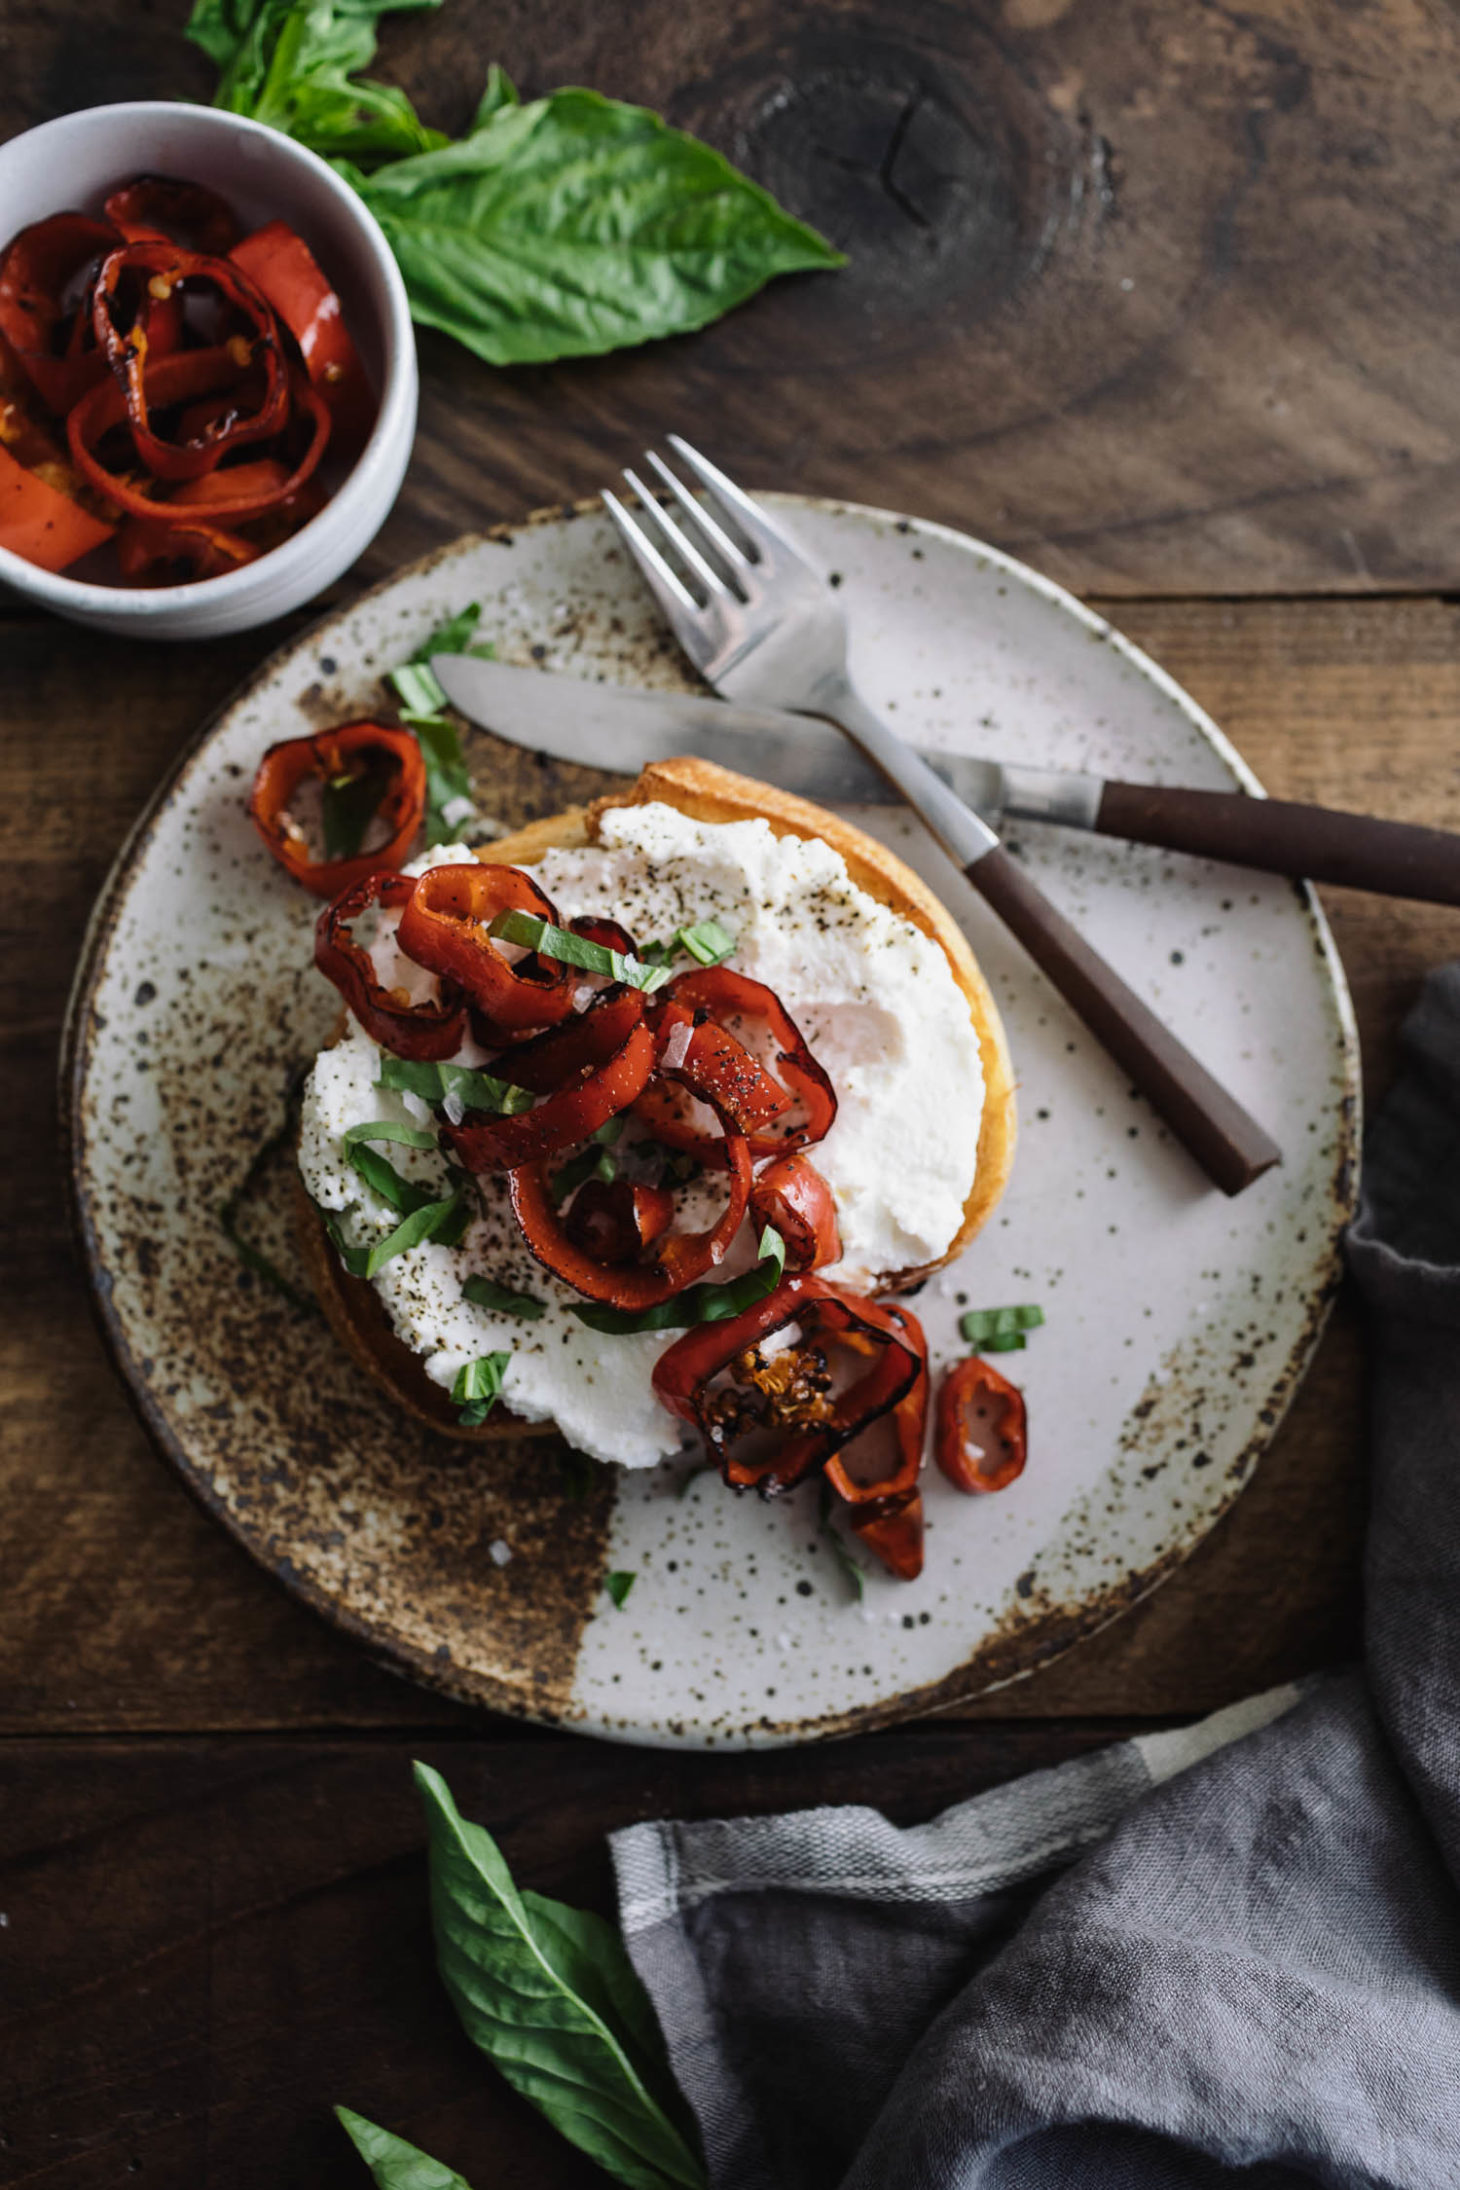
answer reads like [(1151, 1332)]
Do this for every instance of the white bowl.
[(72, 164)]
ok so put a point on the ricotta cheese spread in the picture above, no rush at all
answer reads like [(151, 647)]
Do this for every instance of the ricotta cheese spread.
[(880, 1009)]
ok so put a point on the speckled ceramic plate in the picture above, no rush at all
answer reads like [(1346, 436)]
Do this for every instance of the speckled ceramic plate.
[(1178, 1323)]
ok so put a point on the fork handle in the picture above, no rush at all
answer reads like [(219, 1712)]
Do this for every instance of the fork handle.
[(1231, 1147)]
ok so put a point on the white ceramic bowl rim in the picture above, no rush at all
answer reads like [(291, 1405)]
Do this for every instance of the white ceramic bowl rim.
[(53, 588)]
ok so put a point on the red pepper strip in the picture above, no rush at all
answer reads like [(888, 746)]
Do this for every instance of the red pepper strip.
[(426, 1032), (683, 1377), (345, 751), (680, 1257), (981, 1431), (165, 209), (887, 1513), (613, 1221), (284, 268), (792, 1195), (444, 928), (42, 522), (175, 379), (150, 552), (726, 995), (595, 1065), (39, 270), (158, 270)]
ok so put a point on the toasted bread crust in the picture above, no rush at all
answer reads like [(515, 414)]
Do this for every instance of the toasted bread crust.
[(707, 793)]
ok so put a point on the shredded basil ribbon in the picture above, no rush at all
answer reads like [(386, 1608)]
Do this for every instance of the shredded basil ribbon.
[(386, 1129), (473, 1090), (618, 1586), (706, 941), (350, 802), (478, 1387), (485, 1292), (423, 710), (425, 1213), (589, 1163), (999, 1330), (531, 932), (697, 1303)]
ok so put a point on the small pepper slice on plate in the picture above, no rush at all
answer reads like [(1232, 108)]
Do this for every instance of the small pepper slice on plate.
[(981, 1427), (886, 1511), (371, 756)]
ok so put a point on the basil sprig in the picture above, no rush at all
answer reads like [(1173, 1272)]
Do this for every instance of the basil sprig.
[(697, 1303), (485, 1292), (549, 1994), (434, 1082), (563, 228), (478, 1387), (531, 932), (999, 1330), (394, 2164), (423, 706)]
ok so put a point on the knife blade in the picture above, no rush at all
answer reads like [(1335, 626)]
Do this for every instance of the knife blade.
[(614, 726)]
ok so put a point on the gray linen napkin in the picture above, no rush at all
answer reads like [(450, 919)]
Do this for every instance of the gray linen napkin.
[(1250, 1963)]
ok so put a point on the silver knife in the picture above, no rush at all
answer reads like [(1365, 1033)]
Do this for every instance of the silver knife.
[(613, 726)]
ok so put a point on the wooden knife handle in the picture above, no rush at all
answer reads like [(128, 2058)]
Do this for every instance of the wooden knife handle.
[(1394, 857), (1230, 1146)]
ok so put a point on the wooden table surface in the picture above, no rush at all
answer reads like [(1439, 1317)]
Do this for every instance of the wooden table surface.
[(1160, 297)]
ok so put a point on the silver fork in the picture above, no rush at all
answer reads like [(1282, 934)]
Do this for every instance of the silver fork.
[(761, 624)]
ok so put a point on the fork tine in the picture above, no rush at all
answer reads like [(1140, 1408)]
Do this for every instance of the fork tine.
[(673, 596), (733, 501), (710, 579), (731, 552)]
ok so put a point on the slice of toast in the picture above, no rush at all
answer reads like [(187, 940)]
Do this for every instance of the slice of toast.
[(707, 793)]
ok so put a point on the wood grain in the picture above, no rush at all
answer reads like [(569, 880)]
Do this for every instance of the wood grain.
[(126, 1610), (1157, 295), (210, 1943)]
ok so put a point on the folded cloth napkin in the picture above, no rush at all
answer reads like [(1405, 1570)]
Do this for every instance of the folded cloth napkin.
[(1250, 1965)]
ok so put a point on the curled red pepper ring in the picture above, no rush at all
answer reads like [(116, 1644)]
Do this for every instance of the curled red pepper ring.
[(614, 1220), (281, 265), (684, 1375), (176, 379), (348, 751), (590, 1068), (444, 928), (151, 552), (162, 208), (679, 1257), (427, 1032), (792, 1196), (721, 995), (40, 272), (887, 1512), (981, 1427), (158, 270)]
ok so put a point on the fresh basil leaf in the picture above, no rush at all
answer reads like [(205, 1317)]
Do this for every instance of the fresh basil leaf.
[(381, 1176), (485, 1292), (999, 1330), (433, 1220), (386, 1129), (423, 709), (458, 631), (543, 1991), (697, 1303), (618, 1587), (530, 932), (395, 2164), (611, 1132), (500, 92), (434, 1082), (418, 689), (350, 803), (289, 63), (707, 941), (478, 1387), (851, 1570), (591, 1162), (576, 225)]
